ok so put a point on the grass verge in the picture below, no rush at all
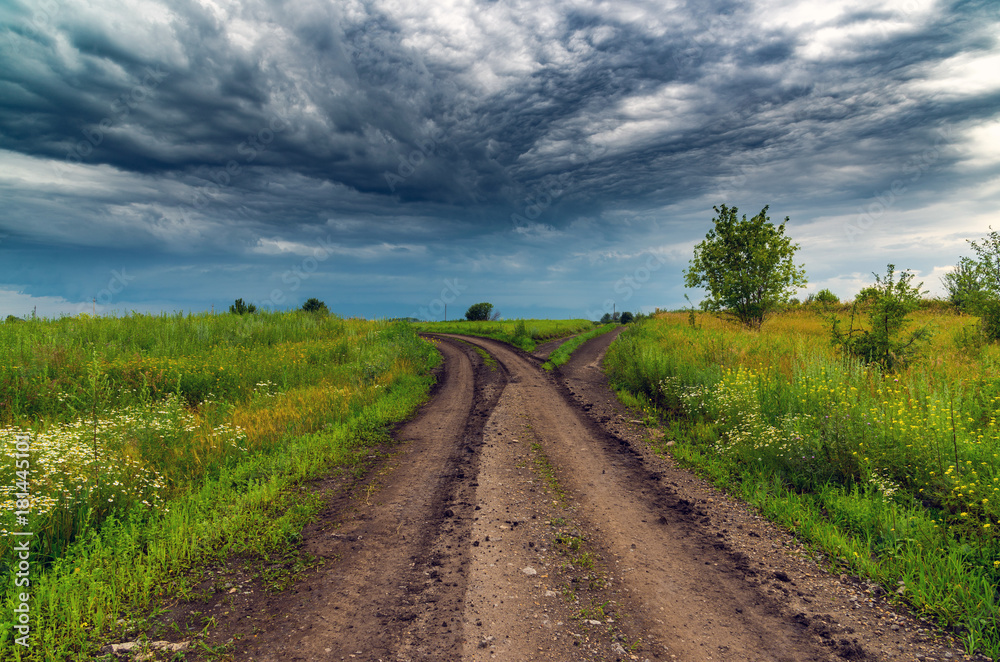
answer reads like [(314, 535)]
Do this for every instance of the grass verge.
[(893, 475), (288, 398)]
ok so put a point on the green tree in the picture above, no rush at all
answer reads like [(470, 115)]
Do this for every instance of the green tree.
[(966, 287), (479, 312), (825, 297), (241, 308), (626, 317), (887, 304), (314, 305), (974, 285), (746, 266)]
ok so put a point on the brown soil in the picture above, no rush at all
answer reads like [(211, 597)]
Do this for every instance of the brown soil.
[(524, 516)]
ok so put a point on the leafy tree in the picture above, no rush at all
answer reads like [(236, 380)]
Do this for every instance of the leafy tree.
[(826, 297), (966, 286), (479, 312), (314, 305), (974, 285), (887, 304), (241, 308), (746, 266), (606, 318), (626, 317)]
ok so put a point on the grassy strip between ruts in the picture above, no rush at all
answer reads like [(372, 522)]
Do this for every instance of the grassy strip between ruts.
[(565, 350), (893, 475), (118, 571), (525, 334)]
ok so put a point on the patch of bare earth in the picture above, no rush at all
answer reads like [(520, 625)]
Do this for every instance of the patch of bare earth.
[(524, 516)]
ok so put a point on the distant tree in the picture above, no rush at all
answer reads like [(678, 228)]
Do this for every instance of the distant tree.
[(314, 305), (240, 308), (606, 318), (479, 312), (11, 319), (746, 266), (826, 297), (626, 317)]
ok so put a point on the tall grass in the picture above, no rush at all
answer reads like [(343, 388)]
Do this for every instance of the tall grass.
[(525, 334), (896, 474), (156, 427)]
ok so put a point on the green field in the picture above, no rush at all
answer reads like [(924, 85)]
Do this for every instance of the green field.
[(526, 334), (158, 443), (895, 476)]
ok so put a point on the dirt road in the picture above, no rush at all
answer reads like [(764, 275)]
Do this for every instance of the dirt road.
[(524, 517)]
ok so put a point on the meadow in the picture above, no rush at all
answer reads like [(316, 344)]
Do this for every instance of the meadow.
[(157, 442), (892, 476), (525, 334)]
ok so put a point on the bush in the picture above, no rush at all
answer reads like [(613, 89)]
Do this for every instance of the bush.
[(887, 304), (626, 317)]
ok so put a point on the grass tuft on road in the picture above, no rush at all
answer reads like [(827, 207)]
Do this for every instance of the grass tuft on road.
[(565, 350), (524, 334)]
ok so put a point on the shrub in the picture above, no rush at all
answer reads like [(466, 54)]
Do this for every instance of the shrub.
[(887, 304)]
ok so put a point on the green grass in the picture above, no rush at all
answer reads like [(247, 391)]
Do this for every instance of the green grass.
[(895, 476), (565, 350), (525, 334), (136, 491)]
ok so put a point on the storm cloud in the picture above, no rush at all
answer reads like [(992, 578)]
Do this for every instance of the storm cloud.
[(539, 154)]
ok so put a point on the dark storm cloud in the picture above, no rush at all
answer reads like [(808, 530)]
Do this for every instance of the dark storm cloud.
[(251, 130)]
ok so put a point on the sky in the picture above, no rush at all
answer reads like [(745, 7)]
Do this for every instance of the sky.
[(558, 158)]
